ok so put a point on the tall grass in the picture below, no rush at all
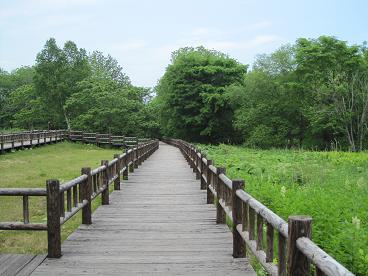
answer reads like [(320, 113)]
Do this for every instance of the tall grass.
[(330, 186)]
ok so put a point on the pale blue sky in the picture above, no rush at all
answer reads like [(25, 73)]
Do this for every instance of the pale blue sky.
[(142, 34)]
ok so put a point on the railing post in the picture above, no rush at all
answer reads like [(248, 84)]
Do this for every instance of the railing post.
[(53, 218), (220, 213), (237, 212), (209, 181), (131, 161), (198, 165), (126, 161), (105, 195), (87, 191), (297, 263), (135, 157), (203, 166), (118, 168)]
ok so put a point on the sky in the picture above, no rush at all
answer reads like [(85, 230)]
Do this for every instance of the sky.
[(142, 34)]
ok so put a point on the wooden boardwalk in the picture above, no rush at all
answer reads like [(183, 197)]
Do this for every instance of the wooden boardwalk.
[(27, 144), (19, 264), (157, 224)]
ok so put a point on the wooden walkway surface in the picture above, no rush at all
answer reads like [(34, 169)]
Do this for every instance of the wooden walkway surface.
[(157, 224), (19, 264), (35, 142)]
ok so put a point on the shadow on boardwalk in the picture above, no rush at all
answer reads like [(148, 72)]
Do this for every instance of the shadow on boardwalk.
[(158, 223)]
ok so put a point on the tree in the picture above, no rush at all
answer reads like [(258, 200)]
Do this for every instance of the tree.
[(344, 100), (191, 96), (27, 109), (105, 106), (107, 68), (317, 60), (8, 83), (57, 73)]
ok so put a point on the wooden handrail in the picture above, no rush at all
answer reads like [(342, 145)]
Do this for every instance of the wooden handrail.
[(296, 251), (79, 191), (9, 141)]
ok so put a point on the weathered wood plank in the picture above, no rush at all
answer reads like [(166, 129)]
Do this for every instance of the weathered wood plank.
[(159, 223)]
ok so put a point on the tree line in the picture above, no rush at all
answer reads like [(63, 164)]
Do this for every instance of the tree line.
[(68, 88), (312, 94)]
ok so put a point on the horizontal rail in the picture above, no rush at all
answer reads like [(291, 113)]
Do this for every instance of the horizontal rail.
[(328, 265), (72, 183), (22, 192), (22, 226), (278, 223)]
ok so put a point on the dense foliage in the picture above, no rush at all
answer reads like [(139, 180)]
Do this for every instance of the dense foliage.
[(67, 88), (329, 186), (192, 98), (311, 94)]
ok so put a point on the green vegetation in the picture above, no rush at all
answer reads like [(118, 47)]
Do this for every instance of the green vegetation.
[(31, 169), (68, 88), (311, 94), (191, 95), (329, 186)]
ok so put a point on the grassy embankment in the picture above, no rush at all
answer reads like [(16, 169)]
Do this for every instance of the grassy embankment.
[(31, 168), (330, 186)]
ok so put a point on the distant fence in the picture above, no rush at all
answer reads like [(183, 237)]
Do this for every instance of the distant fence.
[(295, 249), (29, 139), (66, 199)]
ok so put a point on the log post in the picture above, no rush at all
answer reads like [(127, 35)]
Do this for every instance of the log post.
[(237, 210), (297, 263), (105, 195), (86, 195), (220, 213), (131, 160), (126, 161), (135, 157), (209, 181), (53, 218), (118, 168), (198, 164), (204, 168)]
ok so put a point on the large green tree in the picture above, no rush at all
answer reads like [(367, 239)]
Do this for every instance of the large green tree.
[(192, 97), (106, 106), (57, 73)]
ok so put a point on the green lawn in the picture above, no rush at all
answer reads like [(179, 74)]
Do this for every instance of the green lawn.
[(330, 186), (31, 168)]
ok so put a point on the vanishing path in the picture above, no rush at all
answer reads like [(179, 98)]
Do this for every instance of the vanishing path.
[(157, 224)]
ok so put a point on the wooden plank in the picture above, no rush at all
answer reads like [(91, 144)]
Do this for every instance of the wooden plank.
[(19, 264), (159, 223)]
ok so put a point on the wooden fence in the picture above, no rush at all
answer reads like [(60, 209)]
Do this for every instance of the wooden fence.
[(9, 141), (33, 138), (67, 199), (254, 225)]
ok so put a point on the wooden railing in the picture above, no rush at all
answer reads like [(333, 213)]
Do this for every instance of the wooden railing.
[(296, 252), (10, 141), (33, 138), (67, 199)]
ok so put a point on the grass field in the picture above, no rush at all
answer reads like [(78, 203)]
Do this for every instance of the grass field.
[(31, 168), (330, 186)]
